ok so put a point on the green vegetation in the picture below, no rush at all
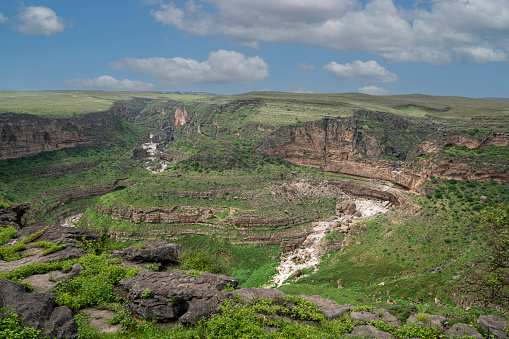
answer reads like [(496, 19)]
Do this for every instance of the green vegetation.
[(487, 276), (10, 253), (12, 328)]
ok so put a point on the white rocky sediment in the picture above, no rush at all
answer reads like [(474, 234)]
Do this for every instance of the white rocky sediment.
[(151, 148), (72, 220), (308, 255)]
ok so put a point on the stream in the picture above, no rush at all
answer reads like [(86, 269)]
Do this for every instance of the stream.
[(308, 255), (151, 148)]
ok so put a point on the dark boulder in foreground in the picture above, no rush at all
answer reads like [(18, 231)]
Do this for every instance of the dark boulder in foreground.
[(38, 310), (176, 296), (155, 250)]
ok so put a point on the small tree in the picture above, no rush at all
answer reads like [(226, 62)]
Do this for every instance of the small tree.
[(487, 276)]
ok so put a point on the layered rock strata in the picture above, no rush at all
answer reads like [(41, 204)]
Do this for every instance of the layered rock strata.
[(23, 135)]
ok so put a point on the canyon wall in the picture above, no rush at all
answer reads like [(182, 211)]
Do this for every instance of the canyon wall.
[(23, 135), (339, 146)]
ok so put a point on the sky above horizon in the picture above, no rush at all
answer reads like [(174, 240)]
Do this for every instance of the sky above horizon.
[(434, 47)]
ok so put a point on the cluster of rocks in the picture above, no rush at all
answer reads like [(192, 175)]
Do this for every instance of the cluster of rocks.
[(11, 214)]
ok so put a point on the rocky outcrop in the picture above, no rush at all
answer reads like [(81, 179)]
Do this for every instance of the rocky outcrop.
[(175, 296), (38, 310), (494, 325), (153, 250), (23, 135), (11, 215)]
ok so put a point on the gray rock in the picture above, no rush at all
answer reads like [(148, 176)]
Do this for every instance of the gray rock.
[(249, 293), (462, 330), (100, 320), (158, 250), (330, 309), (376, 314), (429, 320), (368, 331), (494, 325), (59, 234), (38, 310), (170, 296), (47, 281)]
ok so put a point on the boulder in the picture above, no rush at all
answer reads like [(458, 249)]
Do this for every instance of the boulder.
[(494, 325), (330, 309), (346, 207), (427, 320), (368, 331), (249, 293), (38, 310), (175, 296), (461, 331), (157, 250), (376, 314)]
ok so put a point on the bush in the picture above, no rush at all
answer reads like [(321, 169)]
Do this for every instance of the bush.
[(199, 260)]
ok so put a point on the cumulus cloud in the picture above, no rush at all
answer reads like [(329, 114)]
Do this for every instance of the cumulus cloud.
[(40, 20), (3, 18), (438, 33), (109, 83), (373, 90), (369, 71), (305, 66), (222, 67)]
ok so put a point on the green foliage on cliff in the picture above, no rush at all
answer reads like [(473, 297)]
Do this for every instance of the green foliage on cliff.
[(52, 173)]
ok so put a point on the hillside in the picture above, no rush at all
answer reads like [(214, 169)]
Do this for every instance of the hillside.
[(373, 201)]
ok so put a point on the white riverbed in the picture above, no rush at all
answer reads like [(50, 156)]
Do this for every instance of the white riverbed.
[(307, 255), (151, 148)]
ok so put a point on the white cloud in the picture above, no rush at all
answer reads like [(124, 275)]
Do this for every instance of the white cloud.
[(373, 90), (299, 88), (305, 66), (222, 67), (369, 71), (430, 35), (109, 83), (40, 20), (481, 54), (3, 18)]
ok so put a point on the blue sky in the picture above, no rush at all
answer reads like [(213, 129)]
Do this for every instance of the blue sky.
[(435, 47)]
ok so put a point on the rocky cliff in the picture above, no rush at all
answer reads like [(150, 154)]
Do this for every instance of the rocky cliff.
[(349, 146), (24, 135)]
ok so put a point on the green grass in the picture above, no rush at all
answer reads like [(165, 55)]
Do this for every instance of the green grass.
[(409, 255)]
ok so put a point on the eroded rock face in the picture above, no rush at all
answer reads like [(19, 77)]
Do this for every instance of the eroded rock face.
[(12, 216), (23, 135), (175, 296), (38, 310), (337, 145)]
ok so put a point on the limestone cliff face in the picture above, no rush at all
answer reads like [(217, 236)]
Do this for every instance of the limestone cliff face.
[(24, 135), (337, 145)]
